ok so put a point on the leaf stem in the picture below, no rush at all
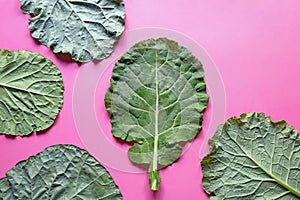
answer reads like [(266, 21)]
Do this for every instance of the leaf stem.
[(154, 180)]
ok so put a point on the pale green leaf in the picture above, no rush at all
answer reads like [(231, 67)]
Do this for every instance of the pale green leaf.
[(156, 99), (87, 29), (31, 92), (253, 157), (59, 172)]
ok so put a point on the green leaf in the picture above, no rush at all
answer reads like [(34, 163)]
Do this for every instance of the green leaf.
[(253, 157), (156, 99), (31, 92), (59, 172), (5, 191), (87, 29)]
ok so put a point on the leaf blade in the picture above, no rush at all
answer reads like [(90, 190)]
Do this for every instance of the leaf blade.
[(256, 171), (31, 92), (157, 98), (61, 172), (5, 191), (87, 29)]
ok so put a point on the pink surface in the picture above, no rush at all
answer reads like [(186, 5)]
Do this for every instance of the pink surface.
[(255, 45)]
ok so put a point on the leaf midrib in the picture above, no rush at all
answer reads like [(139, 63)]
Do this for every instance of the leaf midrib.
[(24, 90), (156, 134), (283, 184)]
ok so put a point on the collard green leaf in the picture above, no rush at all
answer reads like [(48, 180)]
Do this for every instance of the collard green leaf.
[(59, 172), (31, 92), (156, 99), (253, 157), (5, 191), (87, 29)]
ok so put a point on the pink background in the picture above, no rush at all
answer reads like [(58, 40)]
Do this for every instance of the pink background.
[(254, 43)]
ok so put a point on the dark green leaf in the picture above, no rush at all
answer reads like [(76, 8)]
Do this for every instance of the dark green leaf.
[(5, 190), (59, 172), (157, 99), (87, 29), (253, 157)]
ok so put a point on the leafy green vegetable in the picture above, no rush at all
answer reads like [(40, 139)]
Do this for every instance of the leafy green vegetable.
[(253, 157), (156, 99), (59, 172), (5, 191), (31, 92), (87, 29)]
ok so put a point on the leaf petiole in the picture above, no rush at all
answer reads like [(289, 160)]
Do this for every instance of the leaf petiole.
[(154, 180)]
